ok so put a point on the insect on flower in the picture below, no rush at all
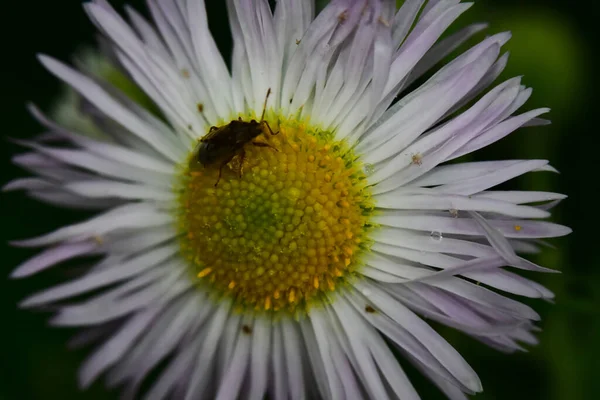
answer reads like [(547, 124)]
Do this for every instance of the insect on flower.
[(304, 277), (222, 144)]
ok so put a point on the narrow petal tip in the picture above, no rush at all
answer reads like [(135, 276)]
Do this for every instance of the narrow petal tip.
[(45, 59), (11, 186), (22, 243), (18, 273), (29, 302), (480, 26)]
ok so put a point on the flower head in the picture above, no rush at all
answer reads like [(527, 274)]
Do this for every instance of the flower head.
[(282, 225)]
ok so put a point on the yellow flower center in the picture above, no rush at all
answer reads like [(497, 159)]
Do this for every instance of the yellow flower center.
[(285, 225)]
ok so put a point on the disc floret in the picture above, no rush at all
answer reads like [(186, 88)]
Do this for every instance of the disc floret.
[(286, 225)]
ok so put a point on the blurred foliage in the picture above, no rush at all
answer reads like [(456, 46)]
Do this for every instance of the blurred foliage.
[(552, 46)]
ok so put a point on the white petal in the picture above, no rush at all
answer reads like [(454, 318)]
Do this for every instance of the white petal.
[(97, 96), (227, 343), (497, 132), (487, 298), (466, 226), (512, 283), (210, 62), (48, 167), (442, 49), (91, 335), (454, 311), (258, 35), (455, 174), (128, 216), (473, 54), (72, 201), (450, 390), (435, 147), (323, 340), (231, 383), (259, 360), (53, 256), (372, 356), (292, 19), (292, 345), (343, 357), (177, 370), (418, 42), (404, 19), (438, 347), (86, 160), (147, 32), (161, 78), (520, 197), (114, 349), (279, 387), (317, 365), (28, 184), (423, 242), (316, 41), (453, 202), (112, 189), (363, 362), (401, 337), (436, 97), (103, 278), (93, 312), (490, 76), (204, 360), (129, 243), (113, 152), (502, 246), (176, 324)]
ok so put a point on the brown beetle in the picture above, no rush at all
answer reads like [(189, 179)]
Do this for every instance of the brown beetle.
[(223, 143)]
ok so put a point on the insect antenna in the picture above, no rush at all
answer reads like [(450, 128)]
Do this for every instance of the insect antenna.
[(262, 117)]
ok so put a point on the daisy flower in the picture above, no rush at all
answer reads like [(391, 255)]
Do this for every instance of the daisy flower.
[(280, 226)]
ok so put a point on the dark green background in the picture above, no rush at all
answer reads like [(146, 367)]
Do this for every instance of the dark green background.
[(555, 45)]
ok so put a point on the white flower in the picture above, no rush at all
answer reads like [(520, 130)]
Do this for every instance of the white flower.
[(336, 220)]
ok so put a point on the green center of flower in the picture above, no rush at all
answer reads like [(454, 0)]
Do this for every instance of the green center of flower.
[(285, 225)]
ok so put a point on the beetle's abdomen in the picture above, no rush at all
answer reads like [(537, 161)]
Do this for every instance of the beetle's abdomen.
[(210, 154), (207, 153)]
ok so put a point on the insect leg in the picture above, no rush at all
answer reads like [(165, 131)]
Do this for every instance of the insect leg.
[(260, 144), (223, 164), (219, 178), (270, 130), (242, 158), (262, 117)]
